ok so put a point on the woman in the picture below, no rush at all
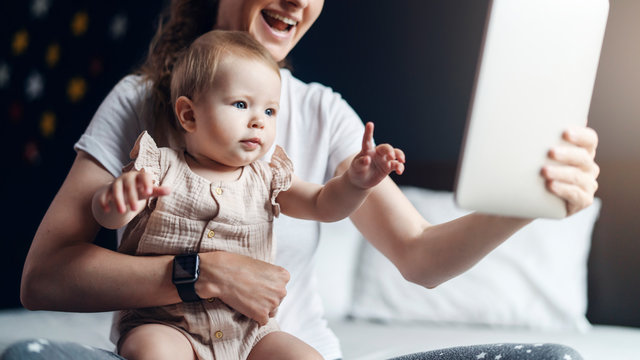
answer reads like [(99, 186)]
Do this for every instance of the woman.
[(65, 271)]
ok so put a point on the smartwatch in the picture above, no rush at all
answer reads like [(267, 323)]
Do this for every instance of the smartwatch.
[(186, 269)]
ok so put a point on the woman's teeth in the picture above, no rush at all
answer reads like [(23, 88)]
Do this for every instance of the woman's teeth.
[(278, 21)]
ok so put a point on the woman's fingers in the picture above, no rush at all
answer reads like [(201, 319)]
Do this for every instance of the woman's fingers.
[(576, 197), (583, 137), (572, 176), (575, 156), (252, 287), (574, 179)]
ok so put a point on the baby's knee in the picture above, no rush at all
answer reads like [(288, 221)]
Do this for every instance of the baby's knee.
[(155, 342), (284, 346)]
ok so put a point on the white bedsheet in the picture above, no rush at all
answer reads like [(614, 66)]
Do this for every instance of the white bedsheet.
[(360, 340)]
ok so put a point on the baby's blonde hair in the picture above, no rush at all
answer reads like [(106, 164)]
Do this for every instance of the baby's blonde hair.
[(196, 67)]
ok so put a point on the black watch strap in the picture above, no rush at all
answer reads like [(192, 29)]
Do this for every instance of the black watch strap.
[(186, 270), (187, 292)]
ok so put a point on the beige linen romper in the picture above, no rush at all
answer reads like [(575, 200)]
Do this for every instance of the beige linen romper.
[(201, 216)]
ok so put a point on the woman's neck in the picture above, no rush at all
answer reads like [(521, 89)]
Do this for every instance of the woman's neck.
[(211, 169)]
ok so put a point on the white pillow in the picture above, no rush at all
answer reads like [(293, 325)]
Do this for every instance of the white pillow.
[(536, 279), (336, 265)]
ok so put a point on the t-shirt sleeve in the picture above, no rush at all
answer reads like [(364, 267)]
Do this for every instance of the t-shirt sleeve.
[(346, 129), (116, 125)]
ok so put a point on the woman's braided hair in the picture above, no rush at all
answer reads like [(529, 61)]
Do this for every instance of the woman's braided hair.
[(180, 24)]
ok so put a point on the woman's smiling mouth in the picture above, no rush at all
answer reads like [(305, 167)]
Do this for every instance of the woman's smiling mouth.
[(277, 21)]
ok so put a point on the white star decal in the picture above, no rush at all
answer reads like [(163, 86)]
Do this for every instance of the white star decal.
[(5, 75), (567, 357), (518, 347), (34, 85), (34, 347), (481, 355), (498, 357), (118, 26), (40, 8)]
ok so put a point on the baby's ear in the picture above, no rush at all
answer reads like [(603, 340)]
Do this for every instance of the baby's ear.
[(185, 113)]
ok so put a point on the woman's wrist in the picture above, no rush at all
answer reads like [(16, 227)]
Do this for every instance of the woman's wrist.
[(209, 284)]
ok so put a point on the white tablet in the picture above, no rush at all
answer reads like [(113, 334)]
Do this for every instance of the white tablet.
[(534, 79)]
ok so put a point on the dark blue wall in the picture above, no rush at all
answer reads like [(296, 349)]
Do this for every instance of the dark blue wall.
[(406, 65)]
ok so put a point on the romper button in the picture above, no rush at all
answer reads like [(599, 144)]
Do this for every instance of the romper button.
[(218, 334), (211, 299), (219, 191), (211, 233)]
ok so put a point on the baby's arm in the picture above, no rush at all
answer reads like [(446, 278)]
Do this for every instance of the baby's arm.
[(343, 194), (129, 193)]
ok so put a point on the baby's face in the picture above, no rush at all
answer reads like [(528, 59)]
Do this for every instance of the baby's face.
[(236, 118)]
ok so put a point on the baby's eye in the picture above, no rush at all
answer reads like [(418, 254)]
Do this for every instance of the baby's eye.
[(270, 112), (240, 104)]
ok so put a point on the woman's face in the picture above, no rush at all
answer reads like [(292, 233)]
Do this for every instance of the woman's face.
[(276, 24)]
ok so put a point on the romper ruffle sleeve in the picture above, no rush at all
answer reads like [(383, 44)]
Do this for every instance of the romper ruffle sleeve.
[(282, 171), (145, 155)]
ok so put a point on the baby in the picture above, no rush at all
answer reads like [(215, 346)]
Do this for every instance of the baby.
[(217, 195)]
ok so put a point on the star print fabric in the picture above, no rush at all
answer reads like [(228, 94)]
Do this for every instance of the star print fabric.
[(37, 349), (59, 59), (499, 352)]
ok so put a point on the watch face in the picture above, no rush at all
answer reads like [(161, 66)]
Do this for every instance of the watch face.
[(185, 268)]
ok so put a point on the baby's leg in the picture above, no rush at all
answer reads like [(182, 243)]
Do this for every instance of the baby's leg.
[(156, 341), (281, 345)]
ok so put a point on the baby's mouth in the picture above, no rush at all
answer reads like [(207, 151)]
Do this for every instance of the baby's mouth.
[(278, 22)]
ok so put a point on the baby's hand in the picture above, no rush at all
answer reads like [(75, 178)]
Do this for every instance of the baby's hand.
[(374, 163), (129, 189)]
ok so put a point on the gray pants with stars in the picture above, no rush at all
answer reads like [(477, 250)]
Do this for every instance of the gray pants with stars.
[(52, 350)]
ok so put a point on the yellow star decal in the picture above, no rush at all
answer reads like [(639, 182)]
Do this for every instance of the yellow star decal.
[(80, 23), (76, 89), (53, 55), (20, 42), (48, 123)]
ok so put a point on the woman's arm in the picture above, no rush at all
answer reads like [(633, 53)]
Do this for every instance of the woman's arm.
[(428, 254), (65, 271), (432, 254)]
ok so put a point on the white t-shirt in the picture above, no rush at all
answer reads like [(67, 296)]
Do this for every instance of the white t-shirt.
[(318, 130)]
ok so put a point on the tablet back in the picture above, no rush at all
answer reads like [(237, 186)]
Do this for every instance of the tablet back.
[(534, 79)]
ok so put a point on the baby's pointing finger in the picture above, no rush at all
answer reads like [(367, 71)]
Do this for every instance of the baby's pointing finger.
[(367, 138), (160, 191)]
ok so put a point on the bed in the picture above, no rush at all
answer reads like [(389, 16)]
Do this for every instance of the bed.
[(532, 289)]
